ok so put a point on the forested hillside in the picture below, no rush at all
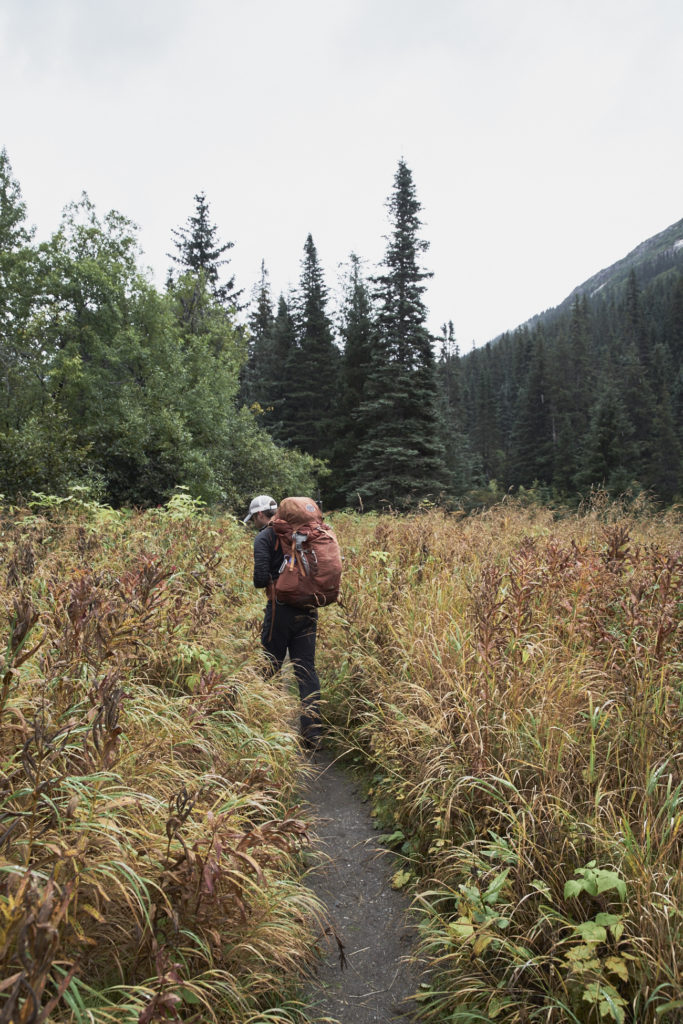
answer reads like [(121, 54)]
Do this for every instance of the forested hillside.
[(589, 393), (131, 391)]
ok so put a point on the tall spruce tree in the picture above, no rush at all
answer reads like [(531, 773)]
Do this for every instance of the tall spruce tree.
[(400, 456), (634, 328), (675, 336), (571, 374), (483, 426), (532, 432), (311, 371), (356, 327), (261, 318), (460, 460), (664, 469), (199, 252), (271, 370), (608, 447), (632, 370)]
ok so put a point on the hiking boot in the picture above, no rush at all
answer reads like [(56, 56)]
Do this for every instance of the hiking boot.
[(312, 744)]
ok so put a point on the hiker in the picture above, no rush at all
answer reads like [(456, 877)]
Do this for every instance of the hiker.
[(286, 629)]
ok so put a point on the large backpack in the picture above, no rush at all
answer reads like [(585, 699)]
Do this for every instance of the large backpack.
[(311, 569)]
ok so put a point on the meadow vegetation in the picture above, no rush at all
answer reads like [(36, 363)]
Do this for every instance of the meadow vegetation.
[(513, 683), (150, 845), (509, 684)]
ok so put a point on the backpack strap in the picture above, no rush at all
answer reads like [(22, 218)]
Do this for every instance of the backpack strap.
[(273, 603)]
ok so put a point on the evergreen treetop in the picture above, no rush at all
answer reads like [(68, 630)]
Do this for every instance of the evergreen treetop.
[(400, 455), (311, 369), (199, 252)]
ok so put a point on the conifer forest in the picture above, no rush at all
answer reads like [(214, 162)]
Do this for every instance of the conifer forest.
[(130, 392)]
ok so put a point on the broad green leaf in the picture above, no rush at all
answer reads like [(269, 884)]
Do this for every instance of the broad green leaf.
[(388, 839), (607, 919), (610, 880), (591, 932), (494, 889)]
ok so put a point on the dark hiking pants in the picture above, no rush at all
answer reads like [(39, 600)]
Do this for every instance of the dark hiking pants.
[(294, 631)]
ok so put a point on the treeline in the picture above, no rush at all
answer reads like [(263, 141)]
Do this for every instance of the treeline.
[(590, 396), (133, 391), (112, 385), (367, 400), (587, 397)]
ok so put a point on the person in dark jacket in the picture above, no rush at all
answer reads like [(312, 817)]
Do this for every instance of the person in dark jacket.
[(285, 630)]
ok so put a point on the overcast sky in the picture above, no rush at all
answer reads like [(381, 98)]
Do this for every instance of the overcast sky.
[(544, 136)]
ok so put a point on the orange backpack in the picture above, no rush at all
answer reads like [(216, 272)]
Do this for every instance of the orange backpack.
[(311, 570)]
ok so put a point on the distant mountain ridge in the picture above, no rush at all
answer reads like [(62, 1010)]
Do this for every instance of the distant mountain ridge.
[(588, 394), (657, 255)]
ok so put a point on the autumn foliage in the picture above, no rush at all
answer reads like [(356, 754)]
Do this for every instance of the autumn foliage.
[(149, 838), (513, 683)]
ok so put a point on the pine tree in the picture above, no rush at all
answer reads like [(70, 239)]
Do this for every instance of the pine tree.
[(356, 331), (311, 371), (664, 467), (400, 456), (631, 371), (572, 375), (199, 252), (256, 373), (272, 372), (356, 334), (608, 449), (459, 458), (261, 315), (483, 411), (532, 433), (675, 342), (635, 333)]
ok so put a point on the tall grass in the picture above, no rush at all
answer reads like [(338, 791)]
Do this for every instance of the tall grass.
[(514, 682), (149, 837)]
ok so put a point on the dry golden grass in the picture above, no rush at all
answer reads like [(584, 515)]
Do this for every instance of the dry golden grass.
[(514, 681), (149, 835)]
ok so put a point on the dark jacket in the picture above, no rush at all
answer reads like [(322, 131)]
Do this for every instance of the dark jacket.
[(268, 557)]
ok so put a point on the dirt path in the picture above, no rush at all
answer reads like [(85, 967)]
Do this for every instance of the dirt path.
[(353, 879)]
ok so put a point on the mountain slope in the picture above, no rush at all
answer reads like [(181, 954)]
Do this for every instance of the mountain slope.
[(653, 257)]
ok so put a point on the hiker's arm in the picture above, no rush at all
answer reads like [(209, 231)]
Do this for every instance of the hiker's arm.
[(263, 554)]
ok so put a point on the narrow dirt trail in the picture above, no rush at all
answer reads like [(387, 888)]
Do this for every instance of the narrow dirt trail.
[(353, 880)]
